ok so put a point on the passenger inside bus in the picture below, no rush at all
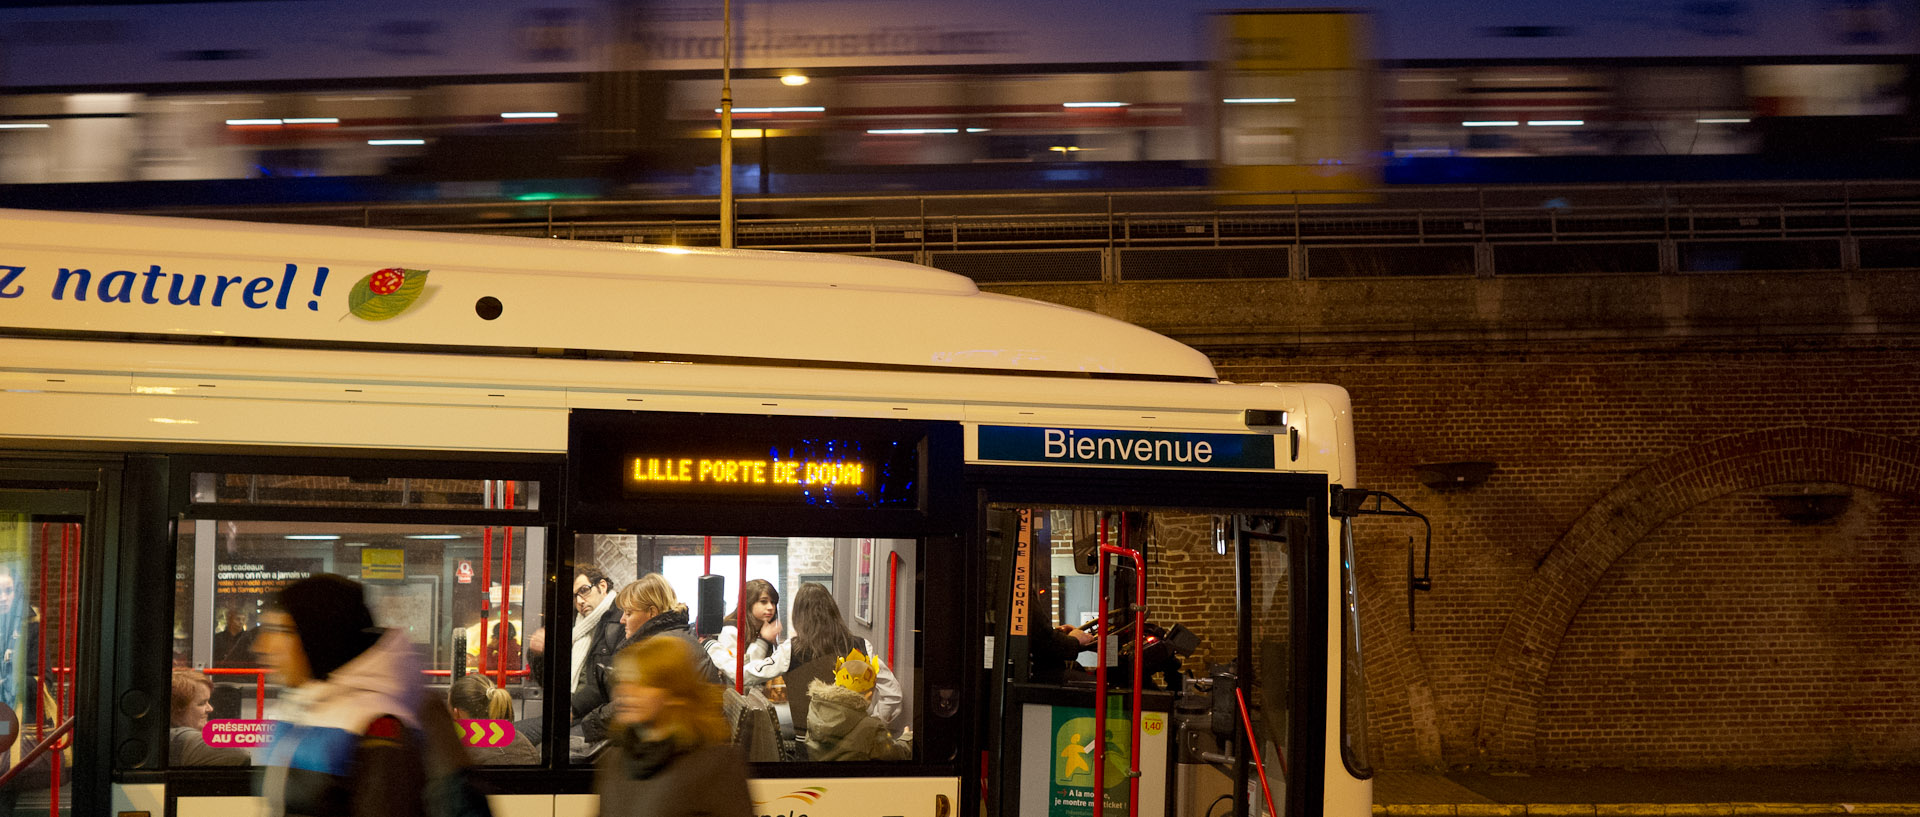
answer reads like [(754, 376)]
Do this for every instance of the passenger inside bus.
[(763, 621), (192, 703), (839, 724), (474, 697), (233, 644), (820, 638), (648, 608)]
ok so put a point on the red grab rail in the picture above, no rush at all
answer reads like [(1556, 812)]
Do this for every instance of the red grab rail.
[(1100, 673), (893, 586)]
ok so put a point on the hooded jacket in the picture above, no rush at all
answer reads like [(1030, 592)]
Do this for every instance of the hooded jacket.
[(839, 728), (351, 744)]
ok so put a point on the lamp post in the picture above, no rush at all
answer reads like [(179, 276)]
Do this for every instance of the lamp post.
[(726, 124)]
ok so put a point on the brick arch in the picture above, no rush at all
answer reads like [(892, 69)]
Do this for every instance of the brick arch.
[(1525, 652)]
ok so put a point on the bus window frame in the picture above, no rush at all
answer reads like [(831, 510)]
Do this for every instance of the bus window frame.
[(174, 474)]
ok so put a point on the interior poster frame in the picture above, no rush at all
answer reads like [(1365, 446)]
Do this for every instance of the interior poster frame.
[(863, 581)]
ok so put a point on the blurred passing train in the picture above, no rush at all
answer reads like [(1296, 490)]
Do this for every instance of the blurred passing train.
[(550, 97)]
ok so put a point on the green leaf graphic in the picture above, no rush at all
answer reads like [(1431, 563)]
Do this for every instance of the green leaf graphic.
[(365, 305)]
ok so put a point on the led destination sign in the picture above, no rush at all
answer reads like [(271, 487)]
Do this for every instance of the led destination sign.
[(628, 463), (746, 474), (1153, 449)]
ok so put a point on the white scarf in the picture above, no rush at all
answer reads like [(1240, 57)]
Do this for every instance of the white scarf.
[(583, 636)]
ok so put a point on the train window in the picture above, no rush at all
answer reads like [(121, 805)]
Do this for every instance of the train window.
[(364, 492), (812, 601), (447, 586)]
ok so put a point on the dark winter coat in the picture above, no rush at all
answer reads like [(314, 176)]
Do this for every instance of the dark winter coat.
[(645, 779), (596, 725)]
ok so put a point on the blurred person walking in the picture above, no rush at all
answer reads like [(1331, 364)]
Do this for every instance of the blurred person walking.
[(348, 738), (671, 756)]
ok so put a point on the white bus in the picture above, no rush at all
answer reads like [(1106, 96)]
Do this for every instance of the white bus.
[(196, 413)]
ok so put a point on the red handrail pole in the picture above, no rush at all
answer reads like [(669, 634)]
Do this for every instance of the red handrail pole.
[(1100, 703), (1253, 745), (741, 610), (26, 761), (39, 675), (69, 610), (1100, 686), (1139, 667), (486, 575), (506, 597), (60, 690), (706, 566), (893, 587)]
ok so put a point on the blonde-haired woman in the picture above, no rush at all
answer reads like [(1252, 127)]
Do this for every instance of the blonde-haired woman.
[(648, 608), (670, 754), (474, 697)]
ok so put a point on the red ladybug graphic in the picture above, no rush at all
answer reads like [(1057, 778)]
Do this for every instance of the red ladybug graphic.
[(387, 281)]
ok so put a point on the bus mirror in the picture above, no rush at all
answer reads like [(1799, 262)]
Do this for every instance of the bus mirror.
[(1086, 542)]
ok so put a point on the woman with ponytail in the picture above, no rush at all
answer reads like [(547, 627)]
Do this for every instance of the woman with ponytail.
[(474, 697)]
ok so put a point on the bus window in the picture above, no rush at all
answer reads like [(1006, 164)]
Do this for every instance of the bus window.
[(457, 590), (812, 601)]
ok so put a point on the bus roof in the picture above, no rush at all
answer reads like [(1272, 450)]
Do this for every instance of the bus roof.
[(96, 276)]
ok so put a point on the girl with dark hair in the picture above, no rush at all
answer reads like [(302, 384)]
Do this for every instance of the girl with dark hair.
[(820, 635), (762, 607)]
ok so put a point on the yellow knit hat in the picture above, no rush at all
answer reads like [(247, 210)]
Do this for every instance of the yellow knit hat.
[(855, 672)]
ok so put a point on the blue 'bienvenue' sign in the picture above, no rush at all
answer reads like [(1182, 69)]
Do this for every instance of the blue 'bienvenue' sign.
[(1095, 446)]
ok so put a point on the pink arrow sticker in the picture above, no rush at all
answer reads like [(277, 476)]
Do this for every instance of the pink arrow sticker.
[(486, 733)]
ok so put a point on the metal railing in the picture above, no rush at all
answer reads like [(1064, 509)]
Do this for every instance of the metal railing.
[(1082, 237)]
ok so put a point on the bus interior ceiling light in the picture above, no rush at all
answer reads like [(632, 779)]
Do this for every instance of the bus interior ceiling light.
[(1490, 123), (1259, 100), (530, 115), (313, 120), (914, 131), (396, 141), (245, 123), (1549, 122), (1094, 104), (1724, 121), (313, 537), (434, 536), (794, 80), (23, 125)]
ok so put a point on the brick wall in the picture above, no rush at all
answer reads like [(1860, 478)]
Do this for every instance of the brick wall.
[(1620, 591)]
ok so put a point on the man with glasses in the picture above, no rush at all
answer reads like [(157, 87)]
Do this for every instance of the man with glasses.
[(596, 634)]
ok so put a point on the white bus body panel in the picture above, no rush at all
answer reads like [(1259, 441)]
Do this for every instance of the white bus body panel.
[(648, 300)]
